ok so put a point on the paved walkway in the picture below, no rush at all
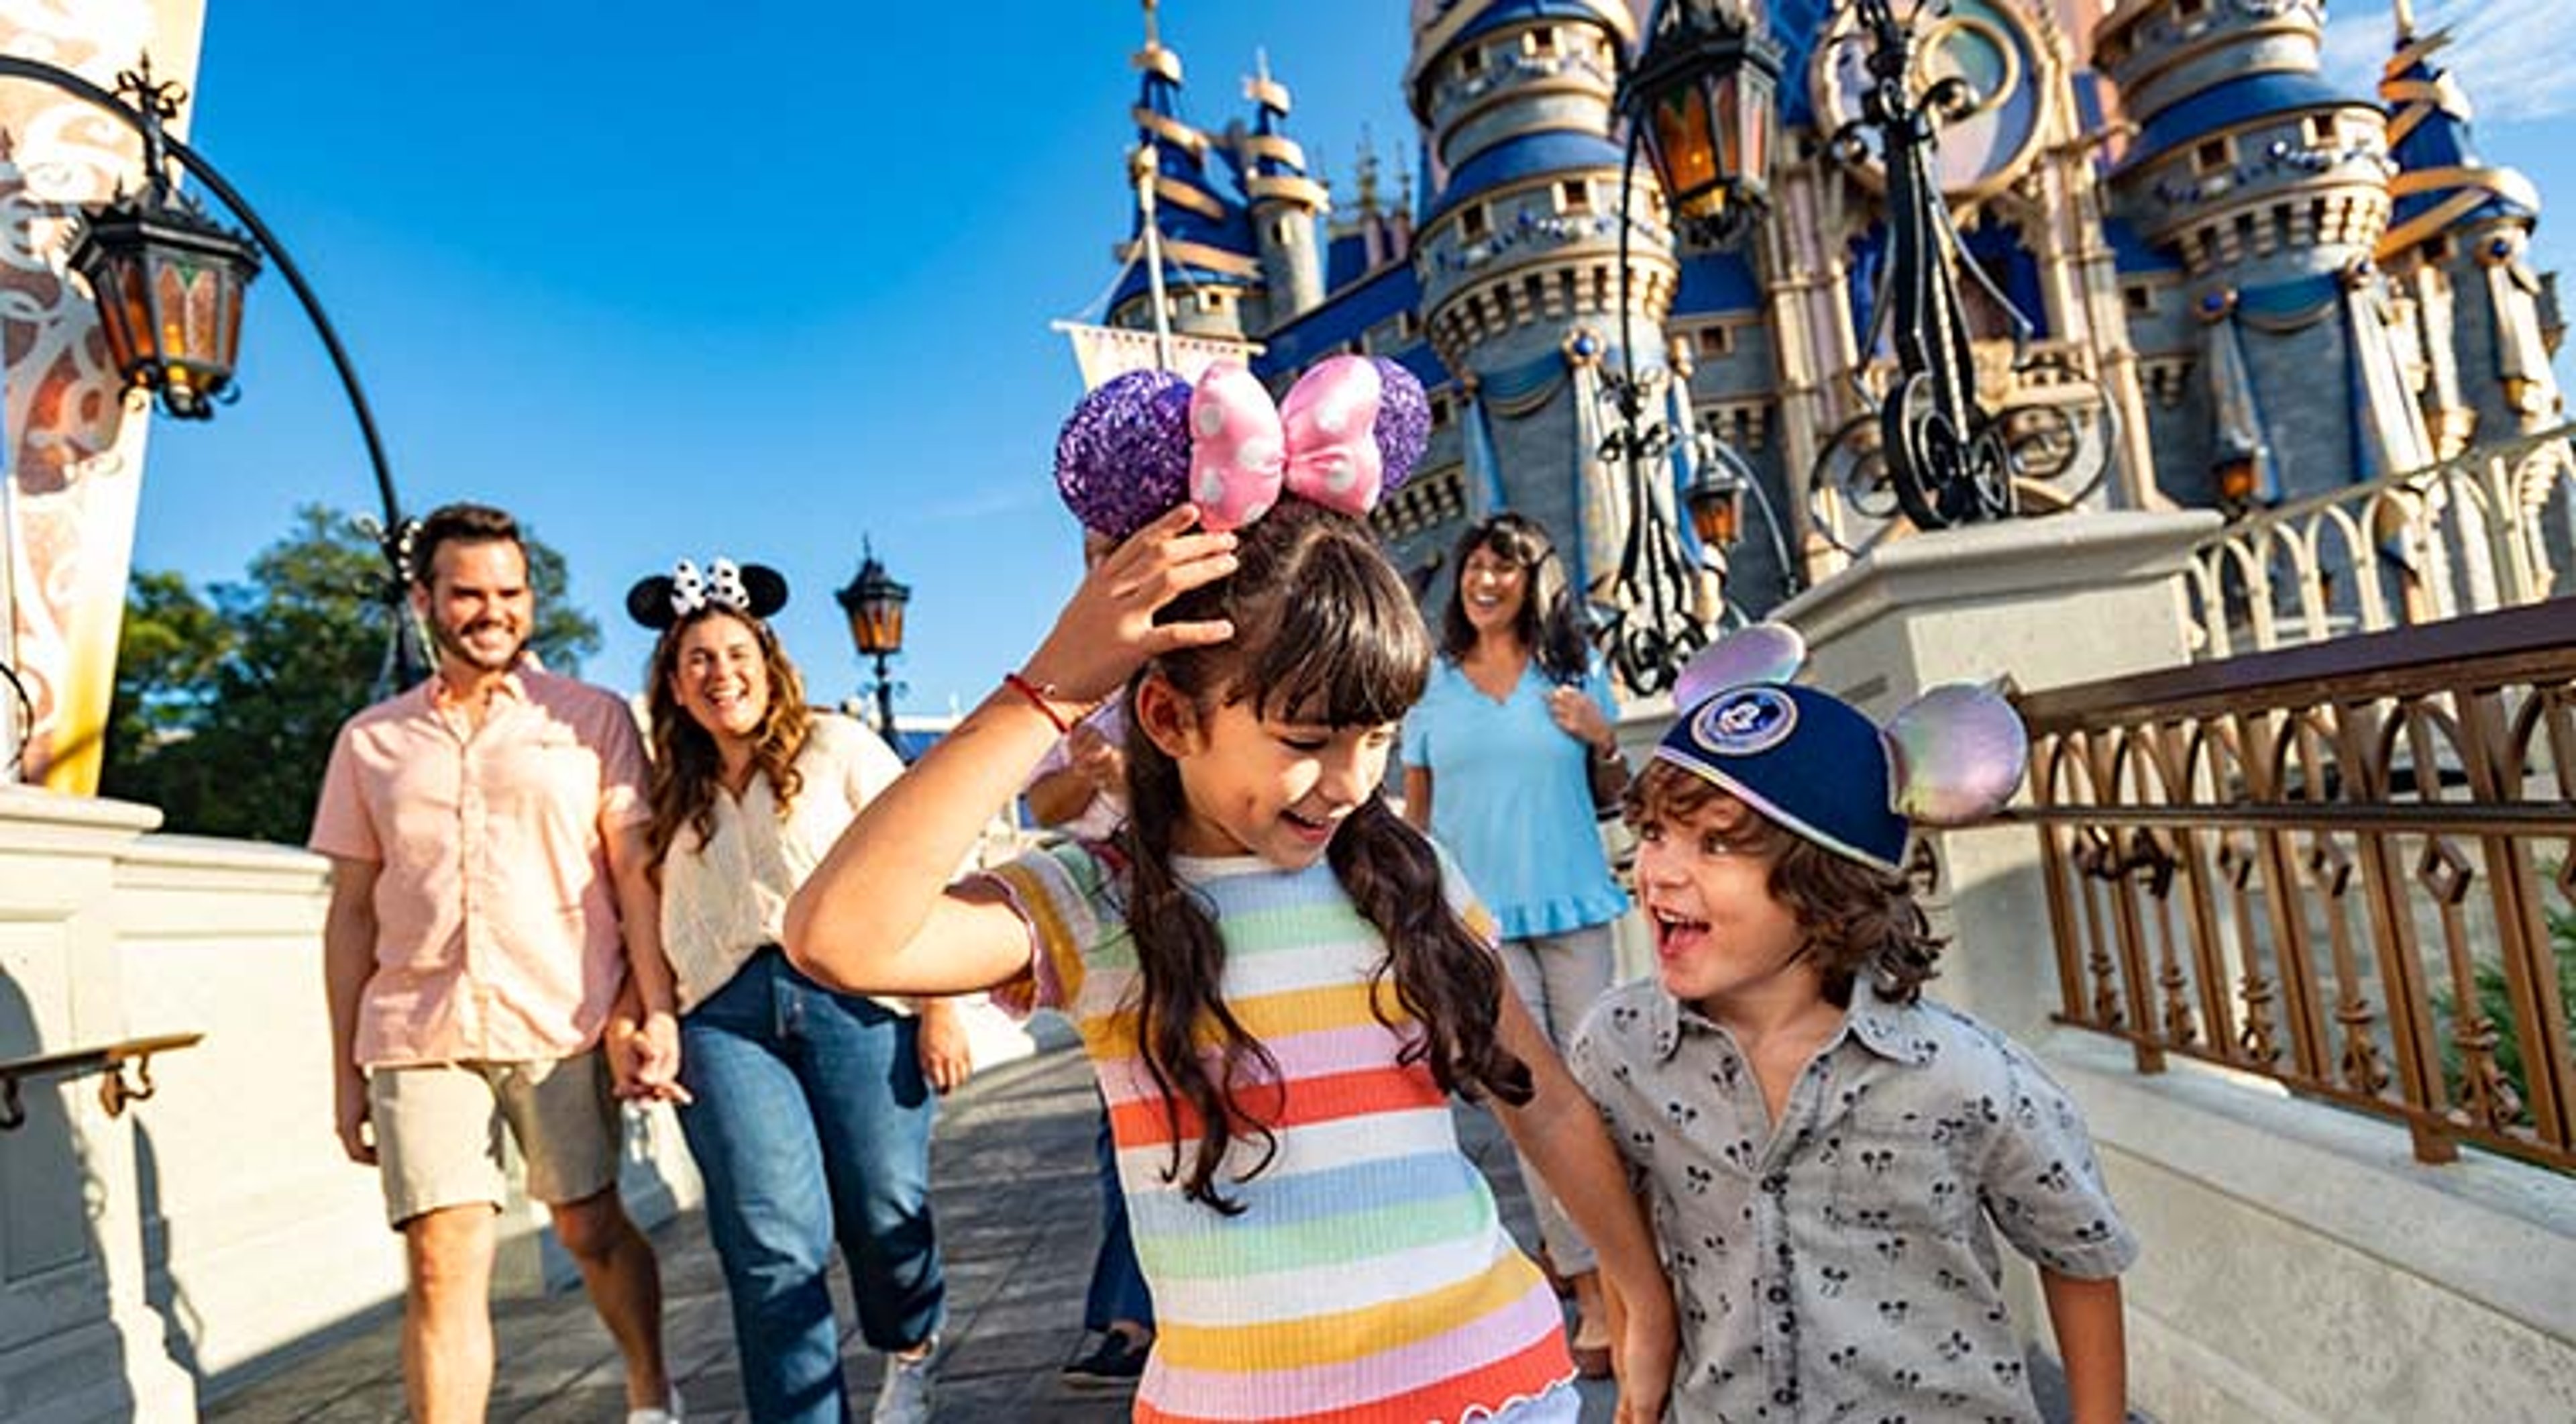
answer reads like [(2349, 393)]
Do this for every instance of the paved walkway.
[(1012, 1182)]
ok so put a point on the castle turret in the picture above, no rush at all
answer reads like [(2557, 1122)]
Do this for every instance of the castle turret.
[(2457, 245), (1518, 251), (1285, 203), (2270, 187), (1210, 269)]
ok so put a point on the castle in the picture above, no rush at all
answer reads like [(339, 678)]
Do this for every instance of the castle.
[(2241, 285)]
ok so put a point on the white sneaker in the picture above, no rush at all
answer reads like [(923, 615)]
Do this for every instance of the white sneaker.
[(668, 1414), (904, 1397)]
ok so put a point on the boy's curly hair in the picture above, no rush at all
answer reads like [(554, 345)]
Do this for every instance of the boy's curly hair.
[(1860, 921)]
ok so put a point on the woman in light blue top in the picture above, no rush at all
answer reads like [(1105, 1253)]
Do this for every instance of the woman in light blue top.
[(1497, 766)]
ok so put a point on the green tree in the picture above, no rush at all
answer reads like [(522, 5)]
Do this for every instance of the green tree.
[(226, 704)]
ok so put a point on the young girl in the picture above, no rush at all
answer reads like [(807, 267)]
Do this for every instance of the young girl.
[(812, 1109), (1497, 764), (1278, 983)]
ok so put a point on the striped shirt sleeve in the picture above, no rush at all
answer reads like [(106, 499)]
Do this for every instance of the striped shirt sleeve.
[(1056, 891)]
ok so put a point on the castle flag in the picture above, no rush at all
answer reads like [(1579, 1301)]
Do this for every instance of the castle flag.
[(1106, 351)]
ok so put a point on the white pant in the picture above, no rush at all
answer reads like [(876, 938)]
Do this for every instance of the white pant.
[(1558, 977)]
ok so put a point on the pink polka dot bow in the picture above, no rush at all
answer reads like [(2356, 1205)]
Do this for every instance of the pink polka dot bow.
[(1318, 444)]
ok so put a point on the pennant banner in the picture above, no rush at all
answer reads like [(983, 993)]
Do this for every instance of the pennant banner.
[(1106, 351)]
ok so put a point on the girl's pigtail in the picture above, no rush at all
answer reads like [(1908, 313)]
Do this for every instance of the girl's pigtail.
[(1451, 984), (1183, 957)]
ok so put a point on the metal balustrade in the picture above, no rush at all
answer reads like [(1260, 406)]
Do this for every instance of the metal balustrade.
[(2348, 867), (2494, 527)]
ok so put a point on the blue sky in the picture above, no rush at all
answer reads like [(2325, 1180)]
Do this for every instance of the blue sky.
[(758, 280)]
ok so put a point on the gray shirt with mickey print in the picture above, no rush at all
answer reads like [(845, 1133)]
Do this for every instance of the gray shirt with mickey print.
[(1842, 1265)]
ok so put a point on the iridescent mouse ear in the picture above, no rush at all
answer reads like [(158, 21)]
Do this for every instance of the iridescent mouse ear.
[(1764, 652), (1955, 755)]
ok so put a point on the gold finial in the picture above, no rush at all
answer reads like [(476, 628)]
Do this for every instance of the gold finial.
[(2404, 13), (1153, 36), (1260, 88)]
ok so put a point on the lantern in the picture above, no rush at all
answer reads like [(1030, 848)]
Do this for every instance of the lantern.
[(1702, 98), (168, 282), (874, 603)]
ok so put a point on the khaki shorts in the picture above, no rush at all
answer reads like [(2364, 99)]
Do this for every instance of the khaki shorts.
[(438, 1131)]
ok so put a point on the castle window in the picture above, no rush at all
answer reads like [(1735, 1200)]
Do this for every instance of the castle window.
[(1715, 342), (2190, 9), (2138, 299), (1393, 334), (1534, 287), (1474, 224), (1471, 60), (1541, 40), (1574, 195), (2215, 155), (1408, 324), (1439, 411), (2317, 130), (1211, 299)]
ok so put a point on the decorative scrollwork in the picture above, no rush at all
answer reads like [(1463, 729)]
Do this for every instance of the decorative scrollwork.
[(1946, 462)]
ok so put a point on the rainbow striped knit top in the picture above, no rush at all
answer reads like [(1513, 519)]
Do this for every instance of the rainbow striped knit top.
[(1368, 1277)]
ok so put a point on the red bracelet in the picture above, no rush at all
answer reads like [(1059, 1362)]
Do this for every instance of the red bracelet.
[(1038, 697)]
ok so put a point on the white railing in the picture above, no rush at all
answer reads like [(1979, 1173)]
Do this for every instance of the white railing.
[(2490, 528)]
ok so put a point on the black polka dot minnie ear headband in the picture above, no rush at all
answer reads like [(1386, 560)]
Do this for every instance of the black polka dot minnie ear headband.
[(661, 600)]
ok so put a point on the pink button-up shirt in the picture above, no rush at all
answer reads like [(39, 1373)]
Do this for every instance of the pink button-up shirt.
[(496, 917)]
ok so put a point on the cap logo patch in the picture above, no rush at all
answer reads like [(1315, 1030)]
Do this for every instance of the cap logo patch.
[(1745, 721)]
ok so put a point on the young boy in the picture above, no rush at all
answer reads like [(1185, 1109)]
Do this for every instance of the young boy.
[(1823, 1153)]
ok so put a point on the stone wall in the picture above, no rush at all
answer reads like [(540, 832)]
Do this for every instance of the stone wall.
[(151, 1260)]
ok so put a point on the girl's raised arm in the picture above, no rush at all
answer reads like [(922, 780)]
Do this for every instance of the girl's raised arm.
[(878, 915)]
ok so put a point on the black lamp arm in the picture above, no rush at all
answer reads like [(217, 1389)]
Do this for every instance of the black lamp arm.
[(19, 67)]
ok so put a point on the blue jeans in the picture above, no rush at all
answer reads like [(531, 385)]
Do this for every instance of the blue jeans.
[(1117, 1285), (812, 1125)]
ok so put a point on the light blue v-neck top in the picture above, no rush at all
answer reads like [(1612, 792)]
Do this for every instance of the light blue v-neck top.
[(1511, 798)]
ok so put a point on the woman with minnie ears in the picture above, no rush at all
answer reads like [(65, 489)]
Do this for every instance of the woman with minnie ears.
[(1278, 981), (808, 1111)]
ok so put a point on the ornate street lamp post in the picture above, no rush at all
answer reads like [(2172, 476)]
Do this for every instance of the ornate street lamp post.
[(874, 603), (1946, 454), (1699, 102), (168, 282)]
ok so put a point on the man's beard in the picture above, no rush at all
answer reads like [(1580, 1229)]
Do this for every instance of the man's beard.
[(451, 641)]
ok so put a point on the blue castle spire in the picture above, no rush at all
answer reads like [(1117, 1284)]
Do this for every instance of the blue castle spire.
[(1211, 264), (2458, 238), (2441, 182), (1285, 203)]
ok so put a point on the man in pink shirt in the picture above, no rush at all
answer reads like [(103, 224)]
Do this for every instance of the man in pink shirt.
[(485, 831)]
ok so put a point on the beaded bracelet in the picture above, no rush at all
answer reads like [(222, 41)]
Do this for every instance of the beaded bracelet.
[(1039, 697)]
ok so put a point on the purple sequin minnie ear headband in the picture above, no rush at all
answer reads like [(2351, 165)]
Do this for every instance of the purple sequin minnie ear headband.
[(1143, 442)]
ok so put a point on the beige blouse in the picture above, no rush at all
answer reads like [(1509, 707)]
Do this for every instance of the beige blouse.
[(723, 900)]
